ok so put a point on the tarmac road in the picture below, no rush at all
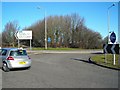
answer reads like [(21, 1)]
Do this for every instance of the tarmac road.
[(61, 71)]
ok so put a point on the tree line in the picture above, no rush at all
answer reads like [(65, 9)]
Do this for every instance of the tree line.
[(62, 31)]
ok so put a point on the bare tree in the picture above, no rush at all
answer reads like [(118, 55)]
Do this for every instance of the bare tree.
[(8, 37), (65, 31)]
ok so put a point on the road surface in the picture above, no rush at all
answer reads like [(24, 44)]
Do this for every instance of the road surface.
[(61, 71)]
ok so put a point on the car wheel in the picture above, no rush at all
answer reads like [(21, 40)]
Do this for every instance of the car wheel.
[(5, 67), (28, 68)]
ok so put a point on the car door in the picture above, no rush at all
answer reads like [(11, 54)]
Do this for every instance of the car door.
[(3, 55)]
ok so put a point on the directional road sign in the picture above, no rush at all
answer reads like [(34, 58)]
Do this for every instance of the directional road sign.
[(23, 35), (49, 39), (15, 34), (113, 37), (111, 48)]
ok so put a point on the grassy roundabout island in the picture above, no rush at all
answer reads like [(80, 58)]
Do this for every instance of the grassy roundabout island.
[(100, 59)]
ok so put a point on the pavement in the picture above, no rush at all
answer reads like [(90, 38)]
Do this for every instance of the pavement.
[(65, 51), (61, 70)]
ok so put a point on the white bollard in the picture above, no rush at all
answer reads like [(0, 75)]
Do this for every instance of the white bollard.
[(114, 59)]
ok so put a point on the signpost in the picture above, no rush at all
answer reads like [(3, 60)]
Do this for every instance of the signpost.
[(113, 40), (23, 35), (49, 39), (112, 49), (113, 37)]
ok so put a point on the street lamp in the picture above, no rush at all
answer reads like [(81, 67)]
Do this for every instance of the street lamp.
[(45, 26), (109, 21)]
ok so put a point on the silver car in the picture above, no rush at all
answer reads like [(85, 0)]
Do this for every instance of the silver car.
[(14, 58)]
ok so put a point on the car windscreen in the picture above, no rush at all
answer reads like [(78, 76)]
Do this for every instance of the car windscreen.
[(18, 53)]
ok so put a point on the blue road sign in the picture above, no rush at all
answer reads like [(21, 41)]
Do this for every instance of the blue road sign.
[(113, 37), (49, 39)]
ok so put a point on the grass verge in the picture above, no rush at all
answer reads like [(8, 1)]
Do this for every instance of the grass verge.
[(62, 49), (55, 49), (100, 59)]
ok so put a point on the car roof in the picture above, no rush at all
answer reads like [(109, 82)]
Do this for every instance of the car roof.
[(13, 48)]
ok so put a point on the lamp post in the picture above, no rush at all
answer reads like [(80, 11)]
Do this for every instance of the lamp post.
[(109, 21), (45, 26)]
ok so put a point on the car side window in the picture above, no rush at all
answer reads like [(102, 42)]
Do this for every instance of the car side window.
[(4, 52)]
